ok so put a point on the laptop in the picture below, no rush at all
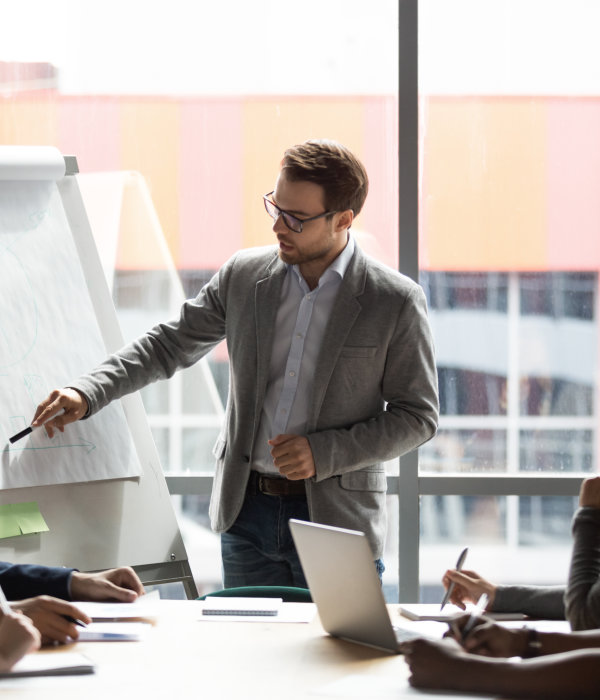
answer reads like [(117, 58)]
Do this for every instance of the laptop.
[(340, 571)]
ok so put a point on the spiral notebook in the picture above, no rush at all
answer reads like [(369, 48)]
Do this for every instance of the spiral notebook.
[(265, 607), (50, 664)]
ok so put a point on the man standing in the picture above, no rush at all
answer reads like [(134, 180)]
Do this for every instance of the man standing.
[(331, 372)]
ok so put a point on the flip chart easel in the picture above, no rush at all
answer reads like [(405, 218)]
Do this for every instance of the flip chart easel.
[(96, 519)]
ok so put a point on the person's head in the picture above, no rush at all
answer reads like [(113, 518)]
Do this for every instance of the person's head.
[(320, 188), (331, 166)]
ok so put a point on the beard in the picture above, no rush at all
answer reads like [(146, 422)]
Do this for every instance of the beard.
[(293, 256)]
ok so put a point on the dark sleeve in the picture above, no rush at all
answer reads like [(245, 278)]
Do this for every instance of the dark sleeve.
[(537, 601), (21, 581), (582, 598)]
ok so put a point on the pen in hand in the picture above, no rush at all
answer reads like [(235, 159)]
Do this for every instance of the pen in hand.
[(75, 621), (459, 565), (476, 612), (29, 429)]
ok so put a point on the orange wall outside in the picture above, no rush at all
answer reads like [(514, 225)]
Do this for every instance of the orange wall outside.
[(508, 183)]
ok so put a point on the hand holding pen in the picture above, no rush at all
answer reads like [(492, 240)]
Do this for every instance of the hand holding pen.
[(468, 587), (30, 428), (476, 613), (459, 564), (459, 632)]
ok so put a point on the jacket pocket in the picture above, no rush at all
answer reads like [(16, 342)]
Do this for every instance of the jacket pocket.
[(364, 481), (358, 351)]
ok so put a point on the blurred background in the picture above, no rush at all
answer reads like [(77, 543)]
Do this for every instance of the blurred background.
[(179, 112)]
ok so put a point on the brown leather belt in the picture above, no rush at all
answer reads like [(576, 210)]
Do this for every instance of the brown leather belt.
[(275, 485)]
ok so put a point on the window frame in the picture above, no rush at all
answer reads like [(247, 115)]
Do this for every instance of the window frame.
[(409, 485)]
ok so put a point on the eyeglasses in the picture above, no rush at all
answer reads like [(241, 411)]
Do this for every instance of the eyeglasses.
[(292, 222)]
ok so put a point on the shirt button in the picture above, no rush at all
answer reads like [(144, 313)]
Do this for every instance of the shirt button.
[(292, 374)]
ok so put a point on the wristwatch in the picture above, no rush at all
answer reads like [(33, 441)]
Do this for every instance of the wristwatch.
[(534, 646)]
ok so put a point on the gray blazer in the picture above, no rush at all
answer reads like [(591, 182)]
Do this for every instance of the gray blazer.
[(374, 394)]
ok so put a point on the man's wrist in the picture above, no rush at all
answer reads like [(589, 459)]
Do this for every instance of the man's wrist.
[(84, 399)]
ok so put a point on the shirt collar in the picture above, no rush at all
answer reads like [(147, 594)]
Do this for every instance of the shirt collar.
[(338, 266)]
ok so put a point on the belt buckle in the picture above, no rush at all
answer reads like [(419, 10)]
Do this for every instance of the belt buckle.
[(262, 485)]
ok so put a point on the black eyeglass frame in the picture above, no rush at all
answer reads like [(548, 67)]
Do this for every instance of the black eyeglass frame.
[(280, 212)]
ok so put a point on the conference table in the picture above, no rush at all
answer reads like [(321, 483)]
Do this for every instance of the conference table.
[(184, 655)]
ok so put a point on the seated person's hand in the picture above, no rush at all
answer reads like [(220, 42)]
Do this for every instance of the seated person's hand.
[(468, 587), (432, 663), (49, 615), (589, 494), (487, 638), (18, 636), (120, 585)]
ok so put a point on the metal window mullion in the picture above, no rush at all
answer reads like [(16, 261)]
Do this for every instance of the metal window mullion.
[(596, 394), (513, 406), (531, 484), (408, 488), (407, 485)]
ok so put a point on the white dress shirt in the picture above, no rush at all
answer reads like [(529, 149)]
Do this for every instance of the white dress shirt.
[(301, 321)]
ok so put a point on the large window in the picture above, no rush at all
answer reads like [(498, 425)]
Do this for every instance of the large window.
[(200, 99), (509, 260), (179, 112)]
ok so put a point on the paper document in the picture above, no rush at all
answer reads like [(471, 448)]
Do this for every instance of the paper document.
[(113, 632), (145, 607), (50, 664), (431, 611)]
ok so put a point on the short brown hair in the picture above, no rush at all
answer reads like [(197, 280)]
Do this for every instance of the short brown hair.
[(332, 166)]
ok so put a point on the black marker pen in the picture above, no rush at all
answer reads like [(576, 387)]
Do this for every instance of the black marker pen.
[(30, 428)]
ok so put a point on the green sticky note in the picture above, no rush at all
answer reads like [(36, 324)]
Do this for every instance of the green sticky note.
[(29, 518), (9, 527)]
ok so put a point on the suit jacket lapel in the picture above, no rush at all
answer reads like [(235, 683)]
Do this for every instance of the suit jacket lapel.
[(343, 315), (266, 300)]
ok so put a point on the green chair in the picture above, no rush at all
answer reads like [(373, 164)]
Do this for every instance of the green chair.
[(289, 594)]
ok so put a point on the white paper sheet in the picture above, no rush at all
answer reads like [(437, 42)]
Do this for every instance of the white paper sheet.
[(114, 632), (67, 663), (146, 606), (431, 611), (48, 336)]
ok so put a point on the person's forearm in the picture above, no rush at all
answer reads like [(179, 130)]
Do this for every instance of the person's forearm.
[(538, 601), (571, 675), (558, 642), (20, 581)]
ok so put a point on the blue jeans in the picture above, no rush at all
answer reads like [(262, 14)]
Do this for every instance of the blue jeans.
[(258, 549)]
